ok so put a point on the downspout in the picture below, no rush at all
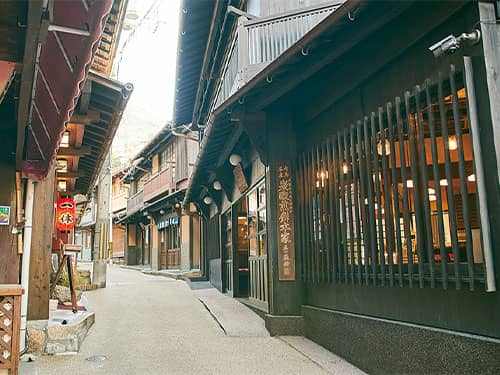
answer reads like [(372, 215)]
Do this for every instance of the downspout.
[(25, 270)]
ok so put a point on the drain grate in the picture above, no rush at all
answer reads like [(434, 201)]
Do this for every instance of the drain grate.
[(96, 358)]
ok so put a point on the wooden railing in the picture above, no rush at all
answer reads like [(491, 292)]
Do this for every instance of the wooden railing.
[(158, 184), (258, 280), (135, 202), (260, 41), (119, 202), (10, 323)]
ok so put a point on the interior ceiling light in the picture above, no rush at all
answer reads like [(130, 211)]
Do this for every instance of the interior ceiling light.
[(62, 185), (65, 139), (471, 178), (443, 182)]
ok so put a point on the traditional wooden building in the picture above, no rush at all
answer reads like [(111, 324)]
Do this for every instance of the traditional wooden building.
[(159, 232), (348, 174)]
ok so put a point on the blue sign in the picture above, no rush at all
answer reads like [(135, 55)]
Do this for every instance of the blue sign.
[(165, 223)]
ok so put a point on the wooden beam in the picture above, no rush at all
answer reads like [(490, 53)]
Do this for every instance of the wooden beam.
[(254, 124), (83, 107), (70, 151), (229, 144), (30, 54), (70, 174), (86, 118)]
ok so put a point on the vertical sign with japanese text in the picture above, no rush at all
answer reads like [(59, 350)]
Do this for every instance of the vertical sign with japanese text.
[(66, 212), (286, 232)]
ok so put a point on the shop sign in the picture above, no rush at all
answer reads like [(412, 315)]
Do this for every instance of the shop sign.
[(165, 223), (286, 232), (66, 212), (4, 215)]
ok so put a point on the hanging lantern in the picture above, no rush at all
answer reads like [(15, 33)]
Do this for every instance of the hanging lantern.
[(66, 212)]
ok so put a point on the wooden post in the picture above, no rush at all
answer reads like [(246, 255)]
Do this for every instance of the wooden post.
[(41, 249)]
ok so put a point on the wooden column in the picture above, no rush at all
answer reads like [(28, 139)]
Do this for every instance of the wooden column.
[(9, 259), (41, 249), (285, 289)]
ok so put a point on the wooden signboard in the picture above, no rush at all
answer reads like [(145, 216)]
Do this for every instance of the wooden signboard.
[(286, 230)]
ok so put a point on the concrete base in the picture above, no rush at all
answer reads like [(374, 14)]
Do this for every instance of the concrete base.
[(53, 337), (285, 325), (380, 346)]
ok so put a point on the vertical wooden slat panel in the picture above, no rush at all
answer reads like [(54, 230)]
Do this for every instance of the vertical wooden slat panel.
[(424, 185), (395, 190), (348, 218), (437, 185), (388, 218), (343, 224), (355, 174), (449, 178), (416, 190), (319, 215), (332, 187), (363, 198), (301, 220), (326, 212), (371, 205), (378, 193), (463, 177), (406, 208)]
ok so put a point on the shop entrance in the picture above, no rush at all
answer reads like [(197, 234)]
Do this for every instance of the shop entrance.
[(245, 248)]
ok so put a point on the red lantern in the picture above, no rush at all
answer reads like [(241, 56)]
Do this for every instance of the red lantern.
[(66, 214)]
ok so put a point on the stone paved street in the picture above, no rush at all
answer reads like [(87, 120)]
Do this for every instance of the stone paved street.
[(155, 325)]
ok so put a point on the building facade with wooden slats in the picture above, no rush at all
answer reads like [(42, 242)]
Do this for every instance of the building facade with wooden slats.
[(159, 232), (349, 184)]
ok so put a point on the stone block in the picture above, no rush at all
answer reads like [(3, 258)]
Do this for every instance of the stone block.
[(285, 325), (37, 339)]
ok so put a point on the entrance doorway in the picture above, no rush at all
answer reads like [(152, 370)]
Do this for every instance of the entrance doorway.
[(244, 248)]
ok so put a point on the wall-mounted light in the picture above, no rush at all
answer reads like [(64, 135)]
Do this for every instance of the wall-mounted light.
[(207, 200), (452, 143), (321, 176), (177, 205), (217, 185), (145, 213), (234, 160), (62, 185), (65, 139), (162, 212)]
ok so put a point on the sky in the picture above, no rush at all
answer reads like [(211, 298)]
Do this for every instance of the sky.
[(146, 57)]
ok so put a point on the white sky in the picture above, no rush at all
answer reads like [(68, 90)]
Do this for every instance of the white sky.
[(147, 61)]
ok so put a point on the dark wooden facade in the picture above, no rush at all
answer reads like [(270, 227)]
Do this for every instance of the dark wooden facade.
[(388, 232)]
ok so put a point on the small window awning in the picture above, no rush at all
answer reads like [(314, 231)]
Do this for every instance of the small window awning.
[(65, 59)]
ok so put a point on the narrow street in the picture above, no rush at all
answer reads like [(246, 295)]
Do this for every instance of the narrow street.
[(156, 325)]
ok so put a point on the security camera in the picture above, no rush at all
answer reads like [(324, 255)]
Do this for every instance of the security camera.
[(451, 43)]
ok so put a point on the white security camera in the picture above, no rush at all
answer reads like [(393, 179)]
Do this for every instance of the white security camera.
[(451, 43)]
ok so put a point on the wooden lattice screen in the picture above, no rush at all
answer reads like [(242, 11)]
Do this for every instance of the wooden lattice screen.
[(10, 320)]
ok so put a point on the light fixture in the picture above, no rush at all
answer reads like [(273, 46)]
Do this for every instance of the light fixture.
[(162, 212), (217, 185), (207, 200), (62, 185), (145, 213), (431, 191), (321, 176), (177, 205), (432, 198), (443, 182), (409, 184), (234, 160), (65, 139), (387, 148), (471, 178), (345, 168), (452, 143), (62, 165)]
